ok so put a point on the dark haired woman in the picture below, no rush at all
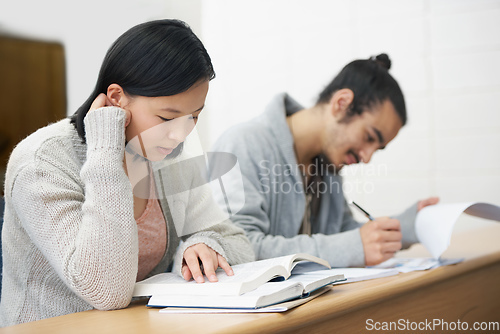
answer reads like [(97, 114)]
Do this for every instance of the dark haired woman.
[(77, 235), (291, 169)]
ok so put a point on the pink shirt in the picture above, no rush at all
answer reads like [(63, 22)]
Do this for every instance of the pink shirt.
[(152, 231)]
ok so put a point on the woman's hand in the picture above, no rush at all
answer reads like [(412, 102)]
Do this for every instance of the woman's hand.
[(103, 101), (199, 259)]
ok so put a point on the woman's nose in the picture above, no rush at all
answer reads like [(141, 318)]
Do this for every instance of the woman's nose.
[(180, 127)]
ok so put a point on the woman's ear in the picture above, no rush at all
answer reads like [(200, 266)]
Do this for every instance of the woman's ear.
[(116, 95), (340, 102)]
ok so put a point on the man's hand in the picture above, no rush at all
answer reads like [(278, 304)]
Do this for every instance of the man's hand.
[(426, 202), (381, 239), (209, 259)]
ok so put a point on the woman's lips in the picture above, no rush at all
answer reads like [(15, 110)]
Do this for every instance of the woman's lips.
[(164, 150)]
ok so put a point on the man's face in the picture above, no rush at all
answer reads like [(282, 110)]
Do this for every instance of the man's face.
[(353, 140)]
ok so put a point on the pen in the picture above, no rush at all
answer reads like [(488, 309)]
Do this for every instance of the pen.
[(362, 210)]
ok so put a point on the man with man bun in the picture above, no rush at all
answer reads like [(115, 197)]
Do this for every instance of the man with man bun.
[(290, 158)]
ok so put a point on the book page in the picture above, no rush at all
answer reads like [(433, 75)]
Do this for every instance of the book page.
[(247, 276), (406, 265), (314, 281), (434, 223), (303, 258), (242, 272)]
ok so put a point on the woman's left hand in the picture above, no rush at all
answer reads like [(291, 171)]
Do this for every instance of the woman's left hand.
[(200, 259), (103, 101)]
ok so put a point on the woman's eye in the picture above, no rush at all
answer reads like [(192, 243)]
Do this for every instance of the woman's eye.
[(193, 117), (165, 119)]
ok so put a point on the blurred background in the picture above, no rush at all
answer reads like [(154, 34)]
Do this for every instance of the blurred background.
[(445, 55)]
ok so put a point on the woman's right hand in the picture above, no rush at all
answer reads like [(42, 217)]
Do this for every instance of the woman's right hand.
[(103, 101)]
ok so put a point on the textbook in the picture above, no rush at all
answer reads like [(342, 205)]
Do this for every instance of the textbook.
[(247, 277), (270, 297), (280, 307)]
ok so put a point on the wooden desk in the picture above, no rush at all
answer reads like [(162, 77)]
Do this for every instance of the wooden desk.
[(469, 292)]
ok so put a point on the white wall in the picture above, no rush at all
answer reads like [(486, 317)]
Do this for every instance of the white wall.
[(87, 29), (446, 57)]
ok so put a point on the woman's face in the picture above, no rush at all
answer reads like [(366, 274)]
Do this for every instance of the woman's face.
[(159, 124)]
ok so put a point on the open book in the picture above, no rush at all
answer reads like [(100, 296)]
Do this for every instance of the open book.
[(308, 280), (247, 277), (295, 288)]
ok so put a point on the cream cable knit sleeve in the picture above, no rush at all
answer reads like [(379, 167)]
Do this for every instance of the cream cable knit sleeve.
[(89, 235)]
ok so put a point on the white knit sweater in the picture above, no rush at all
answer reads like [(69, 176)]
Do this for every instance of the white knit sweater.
[(70, 237)]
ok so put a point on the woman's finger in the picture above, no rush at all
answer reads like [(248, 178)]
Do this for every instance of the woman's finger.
[(100, 101), (208, 258), (224, 265), (191, 259), (186, 273)]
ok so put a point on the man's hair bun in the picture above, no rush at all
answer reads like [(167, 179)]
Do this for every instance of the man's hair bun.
[(383, 60)]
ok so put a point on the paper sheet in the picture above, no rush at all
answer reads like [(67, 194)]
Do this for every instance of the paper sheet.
[(434, 223), (351, 274), (405, 265)]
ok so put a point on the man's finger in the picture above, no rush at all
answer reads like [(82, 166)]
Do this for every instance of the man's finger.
[(391, 247), (426, 202), (389, 224), (387, 256), (391, 235)]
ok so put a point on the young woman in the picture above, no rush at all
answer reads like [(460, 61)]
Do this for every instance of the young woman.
[(78, 230)]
